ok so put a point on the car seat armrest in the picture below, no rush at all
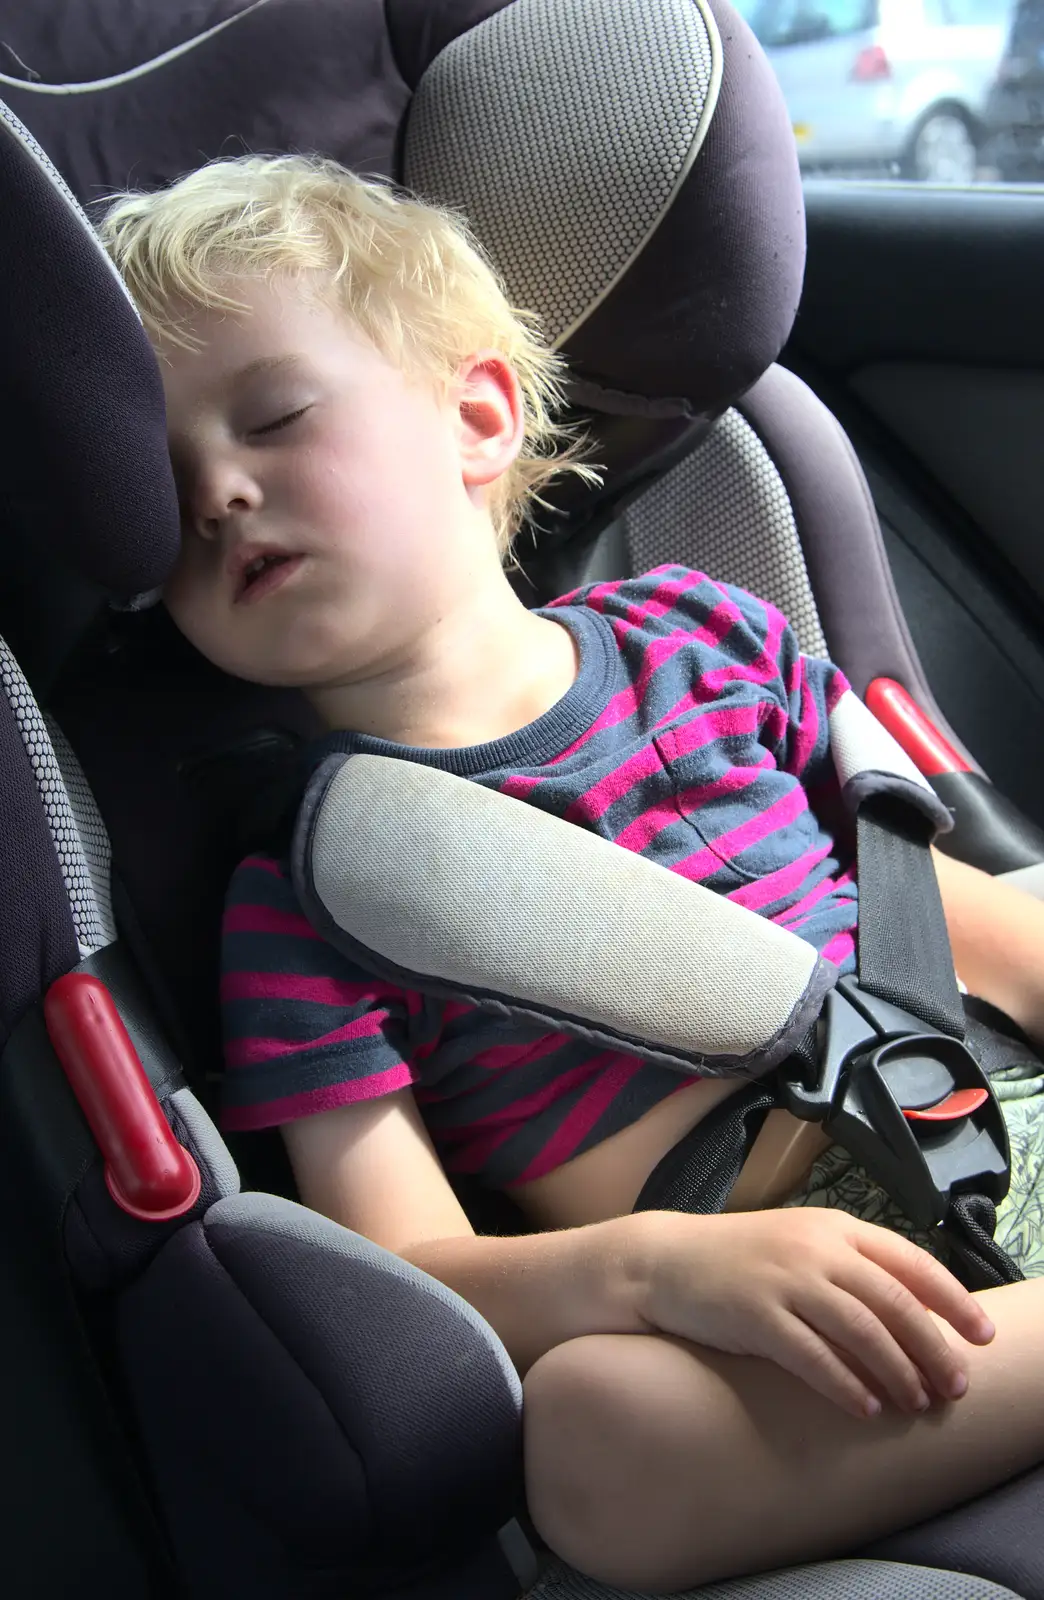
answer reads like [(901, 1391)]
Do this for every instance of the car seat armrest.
[(308, 1400)]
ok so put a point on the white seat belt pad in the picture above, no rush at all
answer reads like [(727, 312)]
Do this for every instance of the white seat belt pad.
[(869, 761), (444, 886)]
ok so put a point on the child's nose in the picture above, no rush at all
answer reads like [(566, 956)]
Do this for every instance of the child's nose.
[(220, 500)]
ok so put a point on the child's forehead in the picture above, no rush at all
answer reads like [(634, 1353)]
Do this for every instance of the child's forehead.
[(269, 329), (244, 312)]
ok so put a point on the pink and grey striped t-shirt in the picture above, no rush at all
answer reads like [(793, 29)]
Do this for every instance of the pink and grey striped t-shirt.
[(696, 734)]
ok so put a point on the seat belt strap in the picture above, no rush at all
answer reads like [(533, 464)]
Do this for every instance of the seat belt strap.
[(905, 958), (698, 1174), (904, 948)]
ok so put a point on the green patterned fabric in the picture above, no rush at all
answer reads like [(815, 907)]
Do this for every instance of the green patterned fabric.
[(837, 1180)]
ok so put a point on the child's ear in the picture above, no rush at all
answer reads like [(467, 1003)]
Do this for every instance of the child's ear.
[(491, 420)]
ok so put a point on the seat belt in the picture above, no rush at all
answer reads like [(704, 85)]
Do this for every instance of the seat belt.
[(906, 960), (903, 945), (885, 1070)]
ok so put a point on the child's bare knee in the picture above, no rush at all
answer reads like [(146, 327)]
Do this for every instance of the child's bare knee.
[(585, 1496), (565, 1422)]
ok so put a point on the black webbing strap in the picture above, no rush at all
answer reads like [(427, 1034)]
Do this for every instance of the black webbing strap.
[(905, 958), (904, 948), (698, 1174), (978, 1259)]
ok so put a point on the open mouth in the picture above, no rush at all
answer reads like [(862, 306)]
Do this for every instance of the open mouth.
[(264, 575)]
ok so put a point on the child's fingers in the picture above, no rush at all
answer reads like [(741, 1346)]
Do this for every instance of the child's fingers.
[(928, 1280), (899, 1311), (792, 1344), (885, 1349)]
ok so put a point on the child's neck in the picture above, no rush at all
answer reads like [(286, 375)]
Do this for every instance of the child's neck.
[(483, 672)]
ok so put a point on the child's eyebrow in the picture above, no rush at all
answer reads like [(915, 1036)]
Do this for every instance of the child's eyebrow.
[(262, 364)]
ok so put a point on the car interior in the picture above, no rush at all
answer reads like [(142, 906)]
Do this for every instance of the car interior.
[(829, 393)]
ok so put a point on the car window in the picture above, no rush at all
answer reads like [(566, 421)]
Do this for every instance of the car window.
[(929, 91), (780, 24), (974, 13)]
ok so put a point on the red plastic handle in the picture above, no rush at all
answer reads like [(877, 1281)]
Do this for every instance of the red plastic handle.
[(148, 1173), (910, 728), (961, 1103)]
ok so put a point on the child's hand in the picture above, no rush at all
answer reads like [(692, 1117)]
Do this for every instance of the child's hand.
[(837, 1302)]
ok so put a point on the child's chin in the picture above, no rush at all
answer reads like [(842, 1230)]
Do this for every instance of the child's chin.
[(278, 678), (304, 677)]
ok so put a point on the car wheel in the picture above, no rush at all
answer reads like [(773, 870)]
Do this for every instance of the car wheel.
[(943, 150)]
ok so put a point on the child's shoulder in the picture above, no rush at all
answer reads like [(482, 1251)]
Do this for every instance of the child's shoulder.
[(264, 928), (669, 594), (673, 597)]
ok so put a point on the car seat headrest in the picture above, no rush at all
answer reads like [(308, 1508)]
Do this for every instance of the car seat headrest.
[(629, 166), (83, 453), (632, 171)]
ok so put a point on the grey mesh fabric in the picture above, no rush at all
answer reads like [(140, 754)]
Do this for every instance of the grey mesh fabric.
[(776, 501), (446, 882), (91, 913), (841, 540), (829, 1580), (94, 840), (565, 187), (198, 1133), (335, 1411), (724, 510)]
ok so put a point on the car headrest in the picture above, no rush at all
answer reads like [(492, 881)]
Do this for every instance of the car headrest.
[(83, 456), (631, 169), (629, 165)]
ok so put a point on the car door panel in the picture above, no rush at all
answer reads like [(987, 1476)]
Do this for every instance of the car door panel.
[(922, 326), (979, 431)]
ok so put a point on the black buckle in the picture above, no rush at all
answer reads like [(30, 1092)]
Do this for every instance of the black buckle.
[(905, 1100)]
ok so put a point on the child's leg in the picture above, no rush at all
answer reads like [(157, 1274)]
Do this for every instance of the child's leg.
[(654, 1464)]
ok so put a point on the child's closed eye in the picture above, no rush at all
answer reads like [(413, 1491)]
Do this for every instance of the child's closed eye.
[(280, 422)]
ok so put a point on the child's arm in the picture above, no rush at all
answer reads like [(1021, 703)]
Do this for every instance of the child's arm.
[(371, 1167), (830, 1299), (997, 936)]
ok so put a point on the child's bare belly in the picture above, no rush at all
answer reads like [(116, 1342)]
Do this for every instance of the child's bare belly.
[(606, 1181)]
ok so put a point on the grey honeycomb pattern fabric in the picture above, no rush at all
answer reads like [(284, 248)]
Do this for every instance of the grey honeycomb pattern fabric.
[(562, 186), (725, 511), (94, 840), (829, 1580), (88, 916)]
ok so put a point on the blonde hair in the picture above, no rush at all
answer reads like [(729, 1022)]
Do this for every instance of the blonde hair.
[(410, 275)]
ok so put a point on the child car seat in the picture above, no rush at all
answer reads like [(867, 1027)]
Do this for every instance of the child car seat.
[(439, 93), (104, 715)]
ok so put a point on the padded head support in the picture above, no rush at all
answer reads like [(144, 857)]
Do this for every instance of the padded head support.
[(628, 166), (632, 172), (83, 452)]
